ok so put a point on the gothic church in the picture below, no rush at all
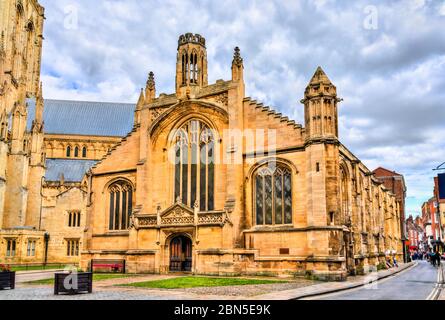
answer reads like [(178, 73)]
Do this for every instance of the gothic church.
[(202, 180)]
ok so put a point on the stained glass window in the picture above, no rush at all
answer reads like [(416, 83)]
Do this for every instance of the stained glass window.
[(121, 205), (195, 175), (273, 195)]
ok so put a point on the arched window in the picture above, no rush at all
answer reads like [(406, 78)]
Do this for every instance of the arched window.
[(195, 165), (183, 68), (194, 68), (3, 128), (68, 152), (202, 67), (19, 40), (273, 195), (186, 68), (76, 152), (121, 205), (84, 152), (344, 193)]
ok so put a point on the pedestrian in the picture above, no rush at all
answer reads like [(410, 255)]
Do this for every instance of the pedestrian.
[(437, 258), (388, 262), (395, 262)]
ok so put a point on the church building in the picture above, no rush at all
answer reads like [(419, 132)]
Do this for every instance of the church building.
[(210, 181), (203, 180)]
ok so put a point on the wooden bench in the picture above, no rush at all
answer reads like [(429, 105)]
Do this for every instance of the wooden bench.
[(113, 265)]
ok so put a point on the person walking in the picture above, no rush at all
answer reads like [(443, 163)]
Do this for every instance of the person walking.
[(394, 261), (436, 258)]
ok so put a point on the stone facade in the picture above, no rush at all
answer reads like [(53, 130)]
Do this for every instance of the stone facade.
[(395, 183), (207, 180), (33, 208), (325, 214), (21, 150)]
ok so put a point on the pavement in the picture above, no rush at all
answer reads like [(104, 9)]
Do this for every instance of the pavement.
[(26, 276), (412, 281), (331, 287), (416, 283)]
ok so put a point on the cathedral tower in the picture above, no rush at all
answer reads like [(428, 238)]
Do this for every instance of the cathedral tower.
[(191, 65), (320, 107), (322, 162)]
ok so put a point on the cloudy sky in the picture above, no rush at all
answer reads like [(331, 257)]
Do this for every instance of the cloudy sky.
[(387, 59)]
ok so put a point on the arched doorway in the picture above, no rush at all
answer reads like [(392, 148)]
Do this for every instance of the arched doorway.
[(180, 254)]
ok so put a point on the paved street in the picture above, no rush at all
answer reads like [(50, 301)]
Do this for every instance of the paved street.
[(409, 282), (34, 275), (414, 284)]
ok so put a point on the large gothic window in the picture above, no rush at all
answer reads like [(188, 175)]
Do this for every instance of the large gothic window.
[(195, 165), (273, 195), (344, 194), (121, 205)]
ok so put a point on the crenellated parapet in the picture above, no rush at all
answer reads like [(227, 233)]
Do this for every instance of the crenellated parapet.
[(191, 38)]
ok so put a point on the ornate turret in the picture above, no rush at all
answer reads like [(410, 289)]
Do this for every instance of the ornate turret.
[(237, 65), (150, 88), (191, 64), (320, 107)]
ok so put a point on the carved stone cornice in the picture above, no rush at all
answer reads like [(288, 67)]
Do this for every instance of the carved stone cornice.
[(179, 215)]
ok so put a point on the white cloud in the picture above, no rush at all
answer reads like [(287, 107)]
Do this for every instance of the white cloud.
[(380, 46), (442, 9)]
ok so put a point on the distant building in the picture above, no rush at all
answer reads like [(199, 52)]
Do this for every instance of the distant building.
[(439, 194), (431, 225), (414, 233), (395, 183)]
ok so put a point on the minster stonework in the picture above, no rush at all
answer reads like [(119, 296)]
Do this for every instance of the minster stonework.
[(204, 180)]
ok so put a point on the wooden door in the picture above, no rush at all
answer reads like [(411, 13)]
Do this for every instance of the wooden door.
[(181, 254)]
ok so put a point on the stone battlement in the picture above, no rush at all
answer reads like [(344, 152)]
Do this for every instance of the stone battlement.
[(191, 38)]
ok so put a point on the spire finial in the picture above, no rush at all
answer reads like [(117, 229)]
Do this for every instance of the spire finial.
[(40, 91), (237, 60), (151, 81), (150, 89), (141, 99)]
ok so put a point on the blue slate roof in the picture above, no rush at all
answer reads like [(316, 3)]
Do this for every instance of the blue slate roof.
[(72, 170), (85, 118)]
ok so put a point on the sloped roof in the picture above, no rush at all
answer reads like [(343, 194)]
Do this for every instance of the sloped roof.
[(72, 170), (84, 118), (386, 172), (320, 77)]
